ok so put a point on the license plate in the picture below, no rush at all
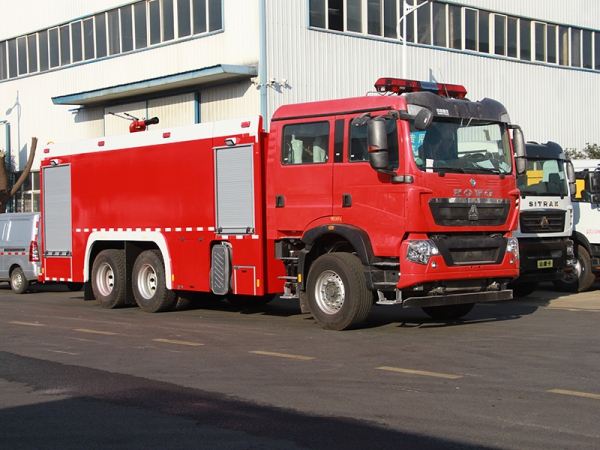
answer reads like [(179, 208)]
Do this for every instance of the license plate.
[(544, 263)]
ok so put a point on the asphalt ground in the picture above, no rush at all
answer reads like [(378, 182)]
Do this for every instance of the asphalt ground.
[(515, 374)]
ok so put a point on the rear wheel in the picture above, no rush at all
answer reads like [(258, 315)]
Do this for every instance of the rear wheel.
[(149, 283), (108, 278), (18, 282), (581, 278), (338, 297), (448, 312)]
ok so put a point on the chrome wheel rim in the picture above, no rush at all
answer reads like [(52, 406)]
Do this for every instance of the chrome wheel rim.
[(330, 292), (105, 279), (147, 281)]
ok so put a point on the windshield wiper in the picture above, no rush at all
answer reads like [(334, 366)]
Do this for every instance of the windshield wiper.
[(444, 169)]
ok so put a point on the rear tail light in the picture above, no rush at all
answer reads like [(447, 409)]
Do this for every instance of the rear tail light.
[(34, 252)]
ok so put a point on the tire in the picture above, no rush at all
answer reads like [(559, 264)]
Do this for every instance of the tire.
[(338, 297), (108, 278), (448, 312), (18, 282), (74, 287), (581, 278), (149, 283), (523, 289)]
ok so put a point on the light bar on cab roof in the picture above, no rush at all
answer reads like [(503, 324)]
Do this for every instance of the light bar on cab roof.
[(399, 86)]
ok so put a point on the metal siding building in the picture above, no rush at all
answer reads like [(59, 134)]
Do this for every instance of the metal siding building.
[(218, 59)]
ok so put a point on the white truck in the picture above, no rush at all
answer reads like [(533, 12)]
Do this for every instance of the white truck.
[(546, 218), (586, 233)]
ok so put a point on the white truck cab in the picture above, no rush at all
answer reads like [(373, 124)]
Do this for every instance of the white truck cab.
[(586, 234)]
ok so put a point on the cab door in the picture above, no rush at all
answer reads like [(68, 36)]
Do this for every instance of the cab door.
[(302, 181)]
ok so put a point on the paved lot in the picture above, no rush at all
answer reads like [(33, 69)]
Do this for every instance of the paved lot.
[(517, 374)]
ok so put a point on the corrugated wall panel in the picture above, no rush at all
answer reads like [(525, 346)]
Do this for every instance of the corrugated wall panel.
[(230, 101), (549, 102), (173, 111)]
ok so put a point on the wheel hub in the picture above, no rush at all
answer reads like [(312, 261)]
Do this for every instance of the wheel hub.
[(105, 279), (147, 281), (330, 292)]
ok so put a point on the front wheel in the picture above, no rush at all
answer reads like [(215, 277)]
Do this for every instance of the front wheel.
[(338, 297), (581, 277), (448, 312), (149, 283), (108, 278), (18, 282)]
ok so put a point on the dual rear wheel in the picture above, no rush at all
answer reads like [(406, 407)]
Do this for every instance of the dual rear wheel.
[(148, 281)]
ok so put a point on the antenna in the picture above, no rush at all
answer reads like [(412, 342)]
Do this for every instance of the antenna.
[(443, 82)]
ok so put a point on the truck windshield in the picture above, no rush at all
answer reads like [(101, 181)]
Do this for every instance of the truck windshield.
[(467, 146), (543, 177)]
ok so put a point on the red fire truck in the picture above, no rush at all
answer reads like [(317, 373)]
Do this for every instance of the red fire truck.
[(405, 196)]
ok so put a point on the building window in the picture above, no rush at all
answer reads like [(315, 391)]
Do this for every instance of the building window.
[(390, 19), (525, 39), (597, 50), (471, 29), (32, 52), (3, 61), (586, 49), (446, 24), (500, 35), (116, 31), (101, 48), (354, 16), (563, 45), (552, 46), (65, 45), (439, 25), (76, 41), (455, 26), (575, 47), (540, 41), (22, 55), (126, 29), (88, 39), (374, 17), (43, 42), (27, 198)]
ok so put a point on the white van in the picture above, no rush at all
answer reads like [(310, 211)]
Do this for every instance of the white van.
[(19, 250)]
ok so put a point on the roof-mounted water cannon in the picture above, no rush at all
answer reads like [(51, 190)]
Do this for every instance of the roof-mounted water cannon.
[(140, 125), (400, 86), (136, 124)]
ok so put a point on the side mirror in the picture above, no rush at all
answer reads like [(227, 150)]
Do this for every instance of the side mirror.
[(520, 152), (377, 144), (423, 119), (571, 177)]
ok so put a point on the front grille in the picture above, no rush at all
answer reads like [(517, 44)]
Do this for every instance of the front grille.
[(471, 250), (542, 221), (472, 212)]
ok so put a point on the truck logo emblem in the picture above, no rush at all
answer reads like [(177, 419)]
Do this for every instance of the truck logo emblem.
[(473, 182), (473, 213), (544, 223)]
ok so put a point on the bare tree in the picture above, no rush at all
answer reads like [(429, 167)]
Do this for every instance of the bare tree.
[(6, 192)]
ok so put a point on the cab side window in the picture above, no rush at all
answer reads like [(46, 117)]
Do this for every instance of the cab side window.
[(357, 144), (305, 143)]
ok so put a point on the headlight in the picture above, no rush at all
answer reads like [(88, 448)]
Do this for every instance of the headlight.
[(420, 251), (512, 246), (570, 251)]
